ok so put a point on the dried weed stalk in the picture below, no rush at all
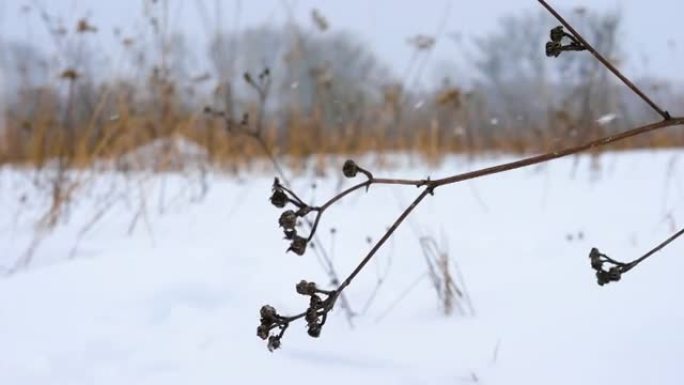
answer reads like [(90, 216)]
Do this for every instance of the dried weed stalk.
[(322, 301), (262, 86)]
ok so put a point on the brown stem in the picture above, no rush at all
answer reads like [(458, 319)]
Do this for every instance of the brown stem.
[(637, 261), (604, 61), (678, 121), (384, 238)]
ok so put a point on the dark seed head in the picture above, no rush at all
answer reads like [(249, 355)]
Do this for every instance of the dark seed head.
[(273, 343), (268, 314), (614, 273), (316, 302), (262, 331), (350, 169), (557, 34), (311, 316), (279, 198), (288, 220), (602, 277), (595, 258), (306, 288), (315, 330), (298, 245), (553, 49)]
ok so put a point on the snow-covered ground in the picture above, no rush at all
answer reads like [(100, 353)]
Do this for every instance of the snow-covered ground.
[(165, 288)]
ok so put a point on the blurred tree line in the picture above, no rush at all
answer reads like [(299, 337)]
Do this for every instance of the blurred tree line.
[(329, 92)]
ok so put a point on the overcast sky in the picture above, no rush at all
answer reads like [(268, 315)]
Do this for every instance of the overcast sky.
[(653, 28)]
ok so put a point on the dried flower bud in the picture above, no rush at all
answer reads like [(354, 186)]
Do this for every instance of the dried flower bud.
[(350, 169), (553, 49), (306, 288), (315, 330), (557, 34), (316, 302), (288, 220), (268, 314), (273, 343), (614, 273), (262, 331), (595, 257), (311, 316), (279, 199), (602, 277), (298, 245)]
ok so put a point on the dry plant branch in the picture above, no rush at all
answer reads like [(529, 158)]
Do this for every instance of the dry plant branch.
[(262, 87), (583, 44), (318, 309), (616, 269)]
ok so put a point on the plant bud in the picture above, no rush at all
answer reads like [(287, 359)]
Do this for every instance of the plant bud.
[(298, 245), (288, 220), (350, 169)]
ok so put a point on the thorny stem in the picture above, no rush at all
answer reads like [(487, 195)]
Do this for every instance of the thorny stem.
[(605, 62)]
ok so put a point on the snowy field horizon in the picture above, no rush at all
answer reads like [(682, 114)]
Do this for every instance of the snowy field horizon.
[(158, 278)]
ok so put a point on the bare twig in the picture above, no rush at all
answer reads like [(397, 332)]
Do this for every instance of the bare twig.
[(616, 269), (262, 87), (604, 61), (282, 196)]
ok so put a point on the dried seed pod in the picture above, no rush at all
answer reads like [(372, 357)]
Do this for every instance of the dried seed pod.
[(298, 245), (268, 314), (595, 257), (557, 34), (273, 343), (314, 330), (306, 288), (288, 220), (614, 273), (311, 316), (350, 169), (262, 331), (553, 49), (316, 302), (279, 199), (602, 277)]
